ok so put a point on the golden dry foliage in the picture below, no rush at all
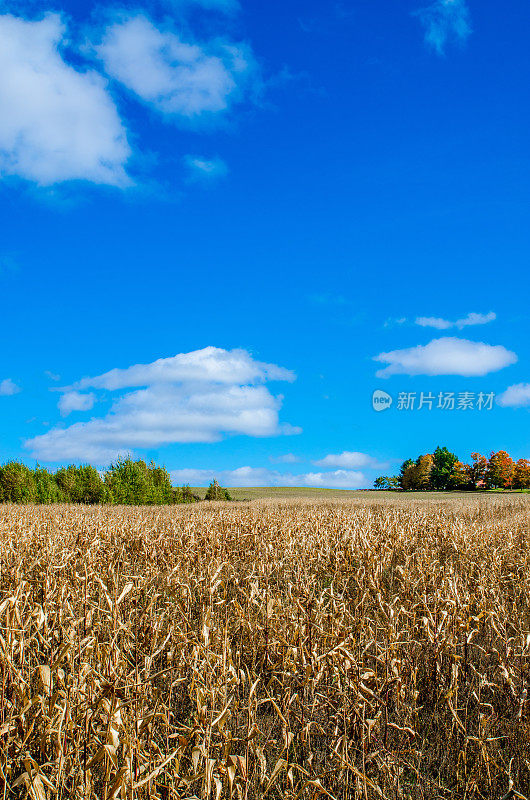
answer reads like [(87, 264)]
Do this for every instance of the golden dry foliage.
[(376, 649)]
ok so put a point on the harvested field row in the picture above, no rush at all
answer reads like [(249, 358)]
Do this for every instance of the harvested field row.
[(372, 648)]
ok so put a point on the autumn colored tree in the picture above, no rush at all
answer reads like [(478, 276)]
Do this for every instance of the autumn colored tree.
[(461, 477), (521, 474), (408, 477), (416, 475), (478, 469), (406, 473), (500, 471), (423, 471)]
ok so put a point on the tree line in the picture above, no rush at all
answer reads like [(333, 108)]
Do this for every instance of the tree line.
[(442, 471), (125, 482)]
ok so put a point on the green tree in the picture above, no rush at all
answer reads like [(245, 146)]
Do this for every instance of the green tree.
[(80, 484), (442, 468), (216, 492), (128, 482), (162, 490), (17, 483), (387, 482), (46, 488), (405, 473)]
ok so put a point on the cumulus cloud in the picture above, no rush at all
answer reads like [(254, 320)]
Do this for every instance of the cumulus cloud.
[(200, 396), (443, 324), (58, 122), (516, 396), (204, 169), (446, 356), (8, 388), (348, 460), (182, 79), (260, 476), (211, 364), (75, 401), (445, 21)]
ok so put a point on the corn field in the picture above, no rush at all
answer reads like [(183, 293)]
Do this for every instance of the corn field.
[(375, 648)]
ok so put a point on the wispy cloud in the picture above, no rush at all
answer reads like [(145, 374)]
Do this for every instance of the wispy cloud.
[(446, 356), (200, 396), (52, 375), (288, 458), (516, 396), (443, 324), (184, 79), (260, 476), (204, 169), (75, 401), (445, 21), (224, 6), (58, 123), (8, 388), (348, 460)]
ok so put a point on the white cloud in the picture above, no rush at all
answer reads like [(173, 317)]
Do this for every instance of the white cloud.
[(288, 458), (443, 324), (391, 321), (211, 364), (181, 79), (445, 21), (348, 460), (8, 388), (57, 123), (205, 169), (517, 396), (339, 479), (192, 397), (75, 401), (446, 356), (260, 476)]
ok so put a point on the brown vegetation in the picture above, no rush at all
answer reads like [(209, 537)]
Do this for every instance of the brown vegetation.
[(359, 649)]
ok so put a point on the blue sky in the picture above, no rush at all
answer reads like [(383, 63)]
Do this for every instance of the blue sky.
[(225, 225)]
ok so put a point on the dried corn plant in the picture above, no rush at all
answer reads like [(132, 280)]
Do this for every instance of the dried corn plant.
[(376, 649)]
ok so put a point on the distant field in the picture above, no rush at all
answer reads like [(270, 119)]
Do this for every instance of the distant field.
[(281, 492), (304, 492)]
